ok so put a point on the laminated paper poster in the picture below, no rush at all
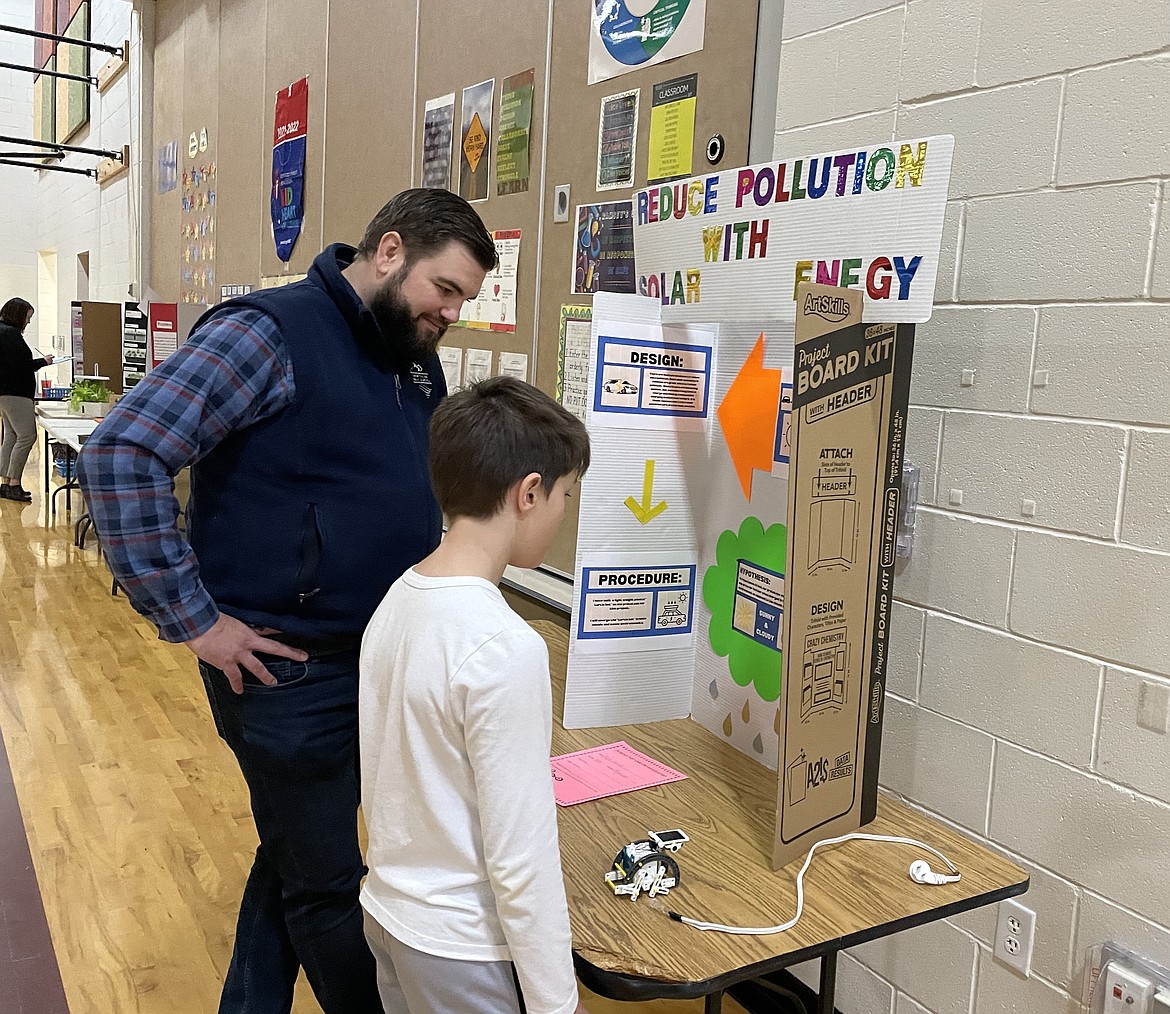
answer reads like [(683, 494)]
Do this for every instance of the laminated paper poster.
[(289, 136)]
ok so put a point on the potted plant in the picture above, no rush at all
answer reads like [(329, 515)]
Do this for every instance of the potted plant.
[(89, 396)]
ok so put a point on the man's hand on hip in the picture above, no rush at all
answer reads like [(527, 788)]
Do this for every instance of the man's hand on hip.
[(230, 645)]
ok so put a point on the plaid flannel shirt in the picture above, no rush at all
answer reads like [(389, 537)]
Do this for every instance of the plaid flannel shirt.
[(233, 372)]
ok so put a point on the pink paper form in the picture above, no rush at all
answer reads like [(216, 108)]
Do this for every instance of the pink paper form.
[(606, 771)]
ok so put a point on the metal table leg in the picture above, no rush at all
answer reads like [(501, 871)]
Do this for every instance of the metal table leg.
[(828, 983)]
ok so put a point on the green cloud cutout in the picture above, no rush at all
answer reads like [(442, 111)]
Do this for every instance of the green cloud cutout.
[(749, 661)]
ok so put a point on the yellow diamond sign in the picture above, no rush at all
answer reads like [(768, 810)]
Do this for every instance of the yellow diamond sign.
[(475, 142)]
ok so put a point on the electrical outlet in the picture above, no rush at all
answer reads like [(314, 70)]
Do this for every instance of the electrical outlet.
[(1125, 991), (1014, 934)]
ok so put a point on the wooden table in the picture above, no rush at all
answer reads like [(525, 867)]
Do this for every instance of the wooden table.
[(854, 892)]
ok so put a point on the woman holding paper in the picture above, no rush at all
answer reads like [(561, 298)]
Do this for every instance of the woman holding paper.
[(18, 368)]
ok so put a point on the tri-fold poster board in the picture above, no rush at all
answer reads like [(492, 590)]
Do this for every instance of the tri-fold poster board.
[(737, 526)]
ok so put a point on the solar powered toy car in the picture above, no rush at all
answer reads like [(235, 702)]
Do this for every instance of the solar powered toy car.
[(644, 865)]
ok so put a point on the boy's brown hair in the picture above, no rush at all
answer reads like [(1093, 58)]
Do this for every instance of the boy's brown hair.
[(488, 437)]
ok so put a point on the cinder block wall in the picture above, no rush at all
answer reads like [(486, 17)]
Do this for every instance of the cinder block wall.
[(1032, 640)]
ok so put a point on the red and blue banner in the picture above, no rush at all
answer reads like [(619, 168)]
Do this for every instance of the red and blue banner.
[(288, 165)]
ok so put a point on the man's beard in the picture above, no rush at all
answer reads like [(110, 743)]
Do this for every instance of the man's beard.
[(398, 323)]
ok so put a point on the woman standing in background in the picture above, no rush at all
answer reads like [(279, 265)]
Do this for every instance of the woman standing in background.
[(18, 388)]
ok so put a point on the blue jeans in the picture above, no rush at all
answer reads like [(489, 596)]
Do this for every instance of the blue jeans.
[(297, 747)]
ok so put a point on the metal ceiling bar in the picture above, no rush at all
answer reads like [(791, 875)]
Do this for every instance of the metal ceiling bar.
[(116, 155), (49, 168), (84, 79), (104, 47)]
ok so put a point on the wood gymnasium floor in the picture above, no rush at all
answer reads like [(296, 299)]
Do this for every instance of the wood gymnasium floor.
[(135, 814)]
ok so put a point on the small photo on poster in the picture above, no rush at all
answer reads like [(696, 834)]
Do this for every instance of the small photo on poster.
[(438, 138), (617, 133), (604, 255), (476, 141)]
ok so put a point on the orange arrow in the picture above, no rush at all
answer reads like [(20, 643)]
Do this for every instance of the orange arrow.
[(747, 415)]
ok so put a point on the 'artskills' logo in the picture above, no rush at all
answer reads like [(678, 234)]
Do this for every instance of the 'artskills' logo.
[(832, 308)]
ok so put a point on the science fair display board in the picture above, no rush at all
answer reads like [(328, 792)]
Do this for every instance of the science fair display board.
[(734, 546)]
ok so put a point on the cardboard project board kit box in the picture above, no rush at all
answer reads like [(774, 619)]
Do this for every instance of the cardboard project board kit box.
[(851, 386)]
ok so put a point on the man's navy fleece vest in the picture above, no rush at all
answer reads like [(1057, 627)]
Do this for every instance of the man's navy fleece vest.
[(303, 521)]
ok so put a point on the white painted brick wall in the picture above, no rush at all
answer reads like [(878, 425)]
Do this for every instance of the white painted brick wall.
[(1115, 125), (939, 47), (1022, 117), (851, 66), (957, 657), (837, 135), (1103, 837), (1130, 752), (948, 253), (1104, 600), (1076, 344), (1161, 254), (805, 19), (1069, 476), (904, 664), (859, 990), (801, 61), (1099, 919), (1145, 520), (996, 343), (926, 963), (960, 566), (1067, 244), (1019, 654), (923, 432), (921, 751), (1002, 991), (1052, 36)]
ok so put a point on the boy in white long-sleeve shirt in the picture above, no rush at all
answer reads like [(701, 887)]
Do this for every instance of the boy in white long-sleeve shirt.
[(455, 726)]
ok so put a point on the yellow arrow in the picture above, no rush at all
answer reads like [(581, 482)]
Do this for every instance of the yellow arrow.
[(643, 511)]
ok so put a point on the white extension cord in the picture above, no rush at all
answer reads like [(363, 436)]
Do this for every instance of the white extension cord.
[(717, 927)]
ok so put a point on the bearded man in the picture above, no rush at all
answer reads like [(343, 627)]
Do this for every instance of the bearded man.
[(303, 414)]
